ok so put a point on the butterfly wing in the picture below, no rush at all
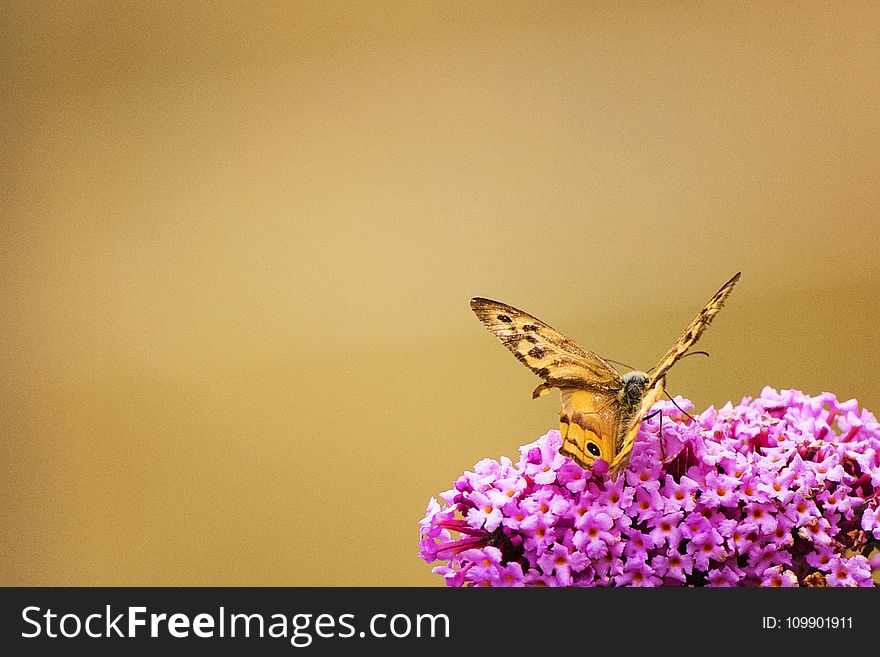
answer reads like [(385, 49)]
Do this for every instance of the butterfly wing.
[(590, 417), (561, 362), (693, 332), (590, 425)]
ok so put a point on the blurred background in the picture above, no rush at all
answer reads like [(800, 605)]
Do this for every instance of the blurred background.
[(238, 243)]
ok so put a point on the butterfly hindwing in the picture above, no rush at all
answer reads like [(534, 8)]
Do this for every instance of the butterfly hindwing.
[(590, 425)]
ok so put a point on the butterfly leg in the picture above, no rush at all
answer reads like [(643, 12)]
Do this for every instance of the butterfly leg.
[(660, 439), (659, 433)]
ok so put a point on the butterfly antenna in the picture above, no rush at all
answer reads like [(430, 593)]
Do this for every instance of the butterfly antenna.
[(679, 407), (690, 353), (617, 362)]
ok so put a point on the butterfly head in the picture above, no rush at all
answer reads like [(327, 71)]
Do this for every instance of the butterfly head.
[(634, 386)]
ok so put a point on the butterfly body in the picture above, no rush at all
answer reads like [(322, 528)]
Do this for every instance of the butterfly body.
[(601, 411)]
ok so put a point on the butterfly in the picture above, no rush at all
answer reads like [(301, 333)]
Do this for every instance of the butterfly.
[(601, 411)]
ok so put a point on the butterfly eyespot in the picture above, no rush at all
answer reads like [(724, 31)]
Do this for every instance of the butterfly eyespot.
[(593, 449), (505, 318)]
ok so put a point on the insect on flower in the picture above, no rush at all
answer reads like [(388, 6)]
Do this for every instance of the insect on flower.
[(601, 411)]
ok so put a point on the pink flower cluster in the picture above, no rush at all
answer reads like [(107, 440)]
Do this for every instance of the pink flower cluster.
[(781, 490)]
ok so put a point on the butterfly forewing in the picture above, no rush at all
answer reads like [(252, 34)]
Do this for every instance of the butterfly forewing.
[(694, 330), (561, 362)]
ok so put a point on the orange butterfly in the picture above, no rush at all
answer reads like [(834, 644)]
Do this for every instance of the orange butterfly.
[(601, 411)]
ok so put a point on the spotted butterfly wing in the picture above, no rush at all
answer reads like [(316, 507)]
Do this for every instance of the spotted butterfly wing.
[(590, 424), (592, 412), (694, 330)]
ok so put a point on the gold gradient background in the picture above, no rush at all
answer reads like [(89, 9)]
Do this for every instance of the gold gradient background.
[(238, 242)]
